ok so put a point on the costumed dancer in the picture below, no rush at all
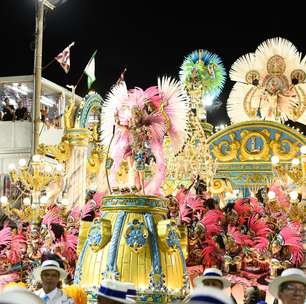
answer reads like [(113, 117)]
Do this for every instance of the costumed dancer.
[(141, 120)]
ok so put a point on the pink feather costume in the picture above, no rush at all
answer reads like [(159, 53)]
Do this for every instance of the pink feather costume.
[(163, 111)]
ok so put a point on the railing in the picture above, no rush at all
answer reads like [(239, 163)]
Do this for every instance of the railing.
[(16, 140)]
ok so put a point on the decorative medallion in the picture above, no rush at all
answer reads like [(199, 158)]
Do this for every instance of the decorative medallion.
[(227, 150), (284, 148), (252, 77), (276, 84), (136, 235), (298, 74), (276, 65), (157, 281), (99, 234), (254, 146)]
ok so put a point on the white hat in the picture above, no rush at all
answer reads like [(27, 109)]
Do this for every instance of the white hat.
[(115, 290), (212, 274), (210, 295), (19, 295), (288, 275), (131, 290), (49, 265)]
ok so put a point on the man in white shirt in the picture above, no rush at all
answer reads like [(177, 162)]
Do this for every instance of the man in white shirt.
[(49, 274)]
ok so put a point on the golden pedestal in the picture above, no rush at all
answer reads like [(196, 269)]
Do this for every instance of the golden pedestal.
[(133, 241)]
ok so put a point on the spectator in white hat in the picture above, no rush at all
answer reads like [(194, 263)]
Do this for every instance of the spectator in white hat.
[(18, 295), (290, 287), (49, 274), (212, 277), (209, 295), (112, 292), (131, 292)]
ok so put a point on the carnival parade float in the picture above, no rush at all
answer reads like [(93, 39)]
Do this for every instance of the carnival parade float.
[(140, 189)]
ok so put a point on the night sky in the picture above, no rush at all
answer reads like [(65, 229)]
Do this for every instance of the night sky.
[(148, 37)]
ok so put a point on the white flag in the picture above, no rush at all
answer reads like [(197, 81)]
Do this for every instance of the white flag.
[(90, 70), (64, 58)]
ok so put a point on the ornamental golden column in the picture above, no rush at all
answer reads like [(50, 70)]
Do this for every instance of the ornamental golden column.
[(76, 175)]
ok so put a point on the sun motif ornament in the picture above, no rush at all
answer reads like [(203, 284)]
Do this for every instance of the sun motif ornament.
[(270, 84), (136, 235), (99, 234), (203, 77)]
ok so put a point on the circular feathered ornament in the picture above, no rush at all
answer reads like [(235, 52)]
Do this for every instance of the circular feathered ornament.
[(203, 74)]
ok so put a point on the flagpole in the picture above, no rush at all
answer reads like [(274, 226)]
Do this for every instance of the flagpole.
[(37, 68), (79, 79), (48, 64), (37, 72)]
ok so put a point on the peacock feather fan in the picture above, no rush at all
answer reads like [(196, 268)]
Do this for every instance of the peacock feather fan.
[(203, 72)]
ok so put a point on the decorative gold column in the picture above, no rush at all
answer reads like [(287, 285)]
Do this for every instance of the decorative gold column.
[(76, 175)]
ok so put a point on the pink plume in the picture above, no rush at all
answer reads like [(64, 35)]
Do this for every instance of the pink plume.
[(70, 242), (86, 209), (75, 212), (256, 206), (18, 243), (98, 197), (5, 236), (210, 253), (242, 206), (185, 212), (259, 227), (280, 195), (52, 217), (239, 238), (195, 203), (261, 243), (181, 195), (293, 240), (212, 222)]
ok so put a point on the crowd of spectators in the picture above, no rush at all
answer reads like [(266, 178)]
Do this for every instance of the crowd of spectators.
[(9, 113), (49, 115)]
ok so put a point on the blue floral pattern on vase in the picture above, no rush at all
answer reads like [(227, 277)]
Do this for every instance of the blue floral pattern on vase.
[(172, 239), (136, 235)]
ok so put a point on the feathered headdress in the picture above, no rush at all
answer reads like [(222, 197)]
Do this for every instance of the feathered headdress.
[(196, 205), (293, 240), (52, 217), (69, 242), (259, 231), (212, 222), (211, 253)]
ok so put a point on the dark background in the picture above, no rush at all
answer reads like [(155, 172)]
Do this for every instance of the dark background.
[(150, 38)]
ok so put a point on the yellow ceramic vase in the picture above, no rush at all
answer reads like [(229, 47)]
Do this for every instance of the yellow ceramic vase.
[(133, 241)]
